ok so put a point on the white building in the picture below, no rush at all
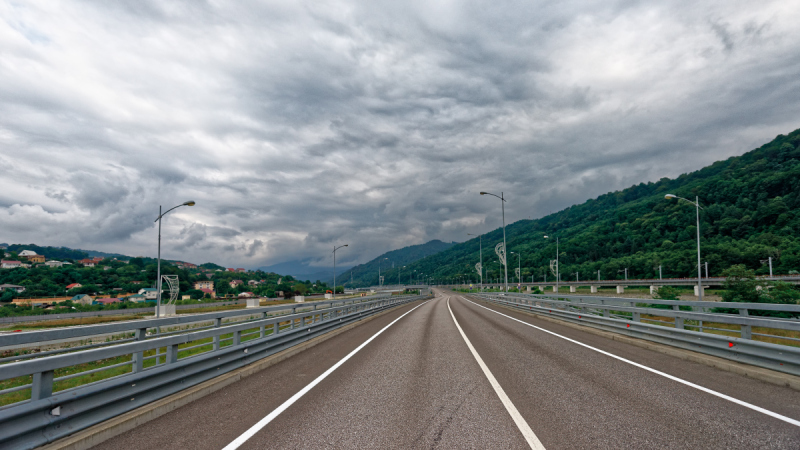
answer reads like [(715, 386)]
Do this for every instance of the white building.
[(54, 264), (26, 253), (10, 264), (149, 293), (12, 287)]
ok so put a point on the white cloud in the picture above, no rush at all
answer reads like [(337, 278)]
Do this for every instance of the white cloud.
[(299, 125)]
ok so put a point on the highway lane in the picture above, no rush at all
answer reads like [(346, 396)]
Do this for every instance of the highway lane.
[(417, 385), (574, 397)]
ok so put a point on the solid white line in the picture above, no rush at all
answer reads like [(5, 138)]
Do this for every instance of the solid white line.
[(657, 372), (523, 426), (266, 420)]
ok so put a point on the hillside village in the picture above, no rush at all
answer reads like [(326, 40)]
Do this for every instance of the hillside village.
[(31, 280)]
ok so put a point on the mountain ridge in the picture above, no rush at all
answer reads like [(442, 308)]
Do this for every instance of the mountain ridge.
[(751, 212)]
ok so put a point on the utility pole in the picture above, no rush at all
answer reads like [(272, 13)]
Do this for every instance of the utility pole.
[(659, 272)]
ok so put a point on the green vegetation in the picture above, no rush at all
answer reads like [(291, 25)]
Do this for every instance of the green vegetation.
[(114, 278), (751, 212), (57, 253), (741, 285), (367, 274)]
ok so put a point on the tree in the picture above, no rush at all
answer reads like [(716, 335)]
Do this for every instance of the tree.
[(667, 293), (740, 285)]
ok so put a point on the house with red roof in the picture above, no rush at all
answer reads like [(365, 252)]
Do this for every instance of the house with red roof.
[(73, 286)]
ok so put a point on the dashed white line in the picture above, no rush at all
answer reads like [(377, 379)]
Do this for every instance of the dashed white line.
[(657, 372), (523, 426), (266, 420)]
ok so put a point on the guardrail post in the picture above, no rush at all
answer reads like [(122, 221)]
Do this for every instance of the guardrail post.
[(678, 320), (138, 358), (217, 324), (172, 354), (262, 331), (237, 337), (747, 330), (637, 317), (276, 328), (291, 326), (42, 386)]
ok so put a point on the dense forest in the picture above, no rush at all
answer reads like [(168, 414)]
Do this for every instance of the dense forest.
[(57, 253), (367, 274), (751, 211)]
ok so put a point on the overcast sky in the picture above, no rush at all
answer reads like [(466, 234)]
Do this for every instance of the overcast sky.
[(297, 126)]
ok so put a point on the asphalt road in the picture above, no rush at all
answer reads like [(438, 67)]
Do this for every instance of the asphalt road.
[(418, 385)]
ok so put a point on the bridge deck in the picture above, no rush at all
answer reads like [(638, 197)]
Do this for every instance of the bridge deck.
[(417, 384)]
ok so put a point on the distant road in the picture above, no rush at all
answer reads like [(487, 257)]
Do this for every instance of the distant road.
[(418, 384), (109, 312)]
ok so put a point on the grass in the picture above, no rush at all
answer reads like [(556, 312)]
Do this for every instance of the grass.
[(225, 341), (57, 323)]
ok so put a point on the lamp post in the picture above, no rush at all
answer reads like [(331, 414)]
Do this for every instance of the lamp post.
[(380, 282), (503, 203), (480, 249), (558, 266), (697, 207), (158, 270), (399, 271), (334, 268), (519, 267)]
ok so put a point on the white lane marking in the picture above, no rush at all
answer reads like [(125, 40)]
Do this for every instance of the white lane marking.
[(266, 420), (657, 372), (523, 426)]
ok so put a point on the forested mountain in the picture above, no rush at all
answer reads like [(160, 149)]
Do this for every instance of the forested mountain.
[(751, 211), (59, 253), (367, 274)]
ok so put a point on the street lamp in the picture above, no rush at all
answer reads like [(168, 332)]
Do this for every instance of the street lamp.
[(158, 283), (558, 266), (480, 249), (399, 271), (519, 267), (334, 268), (380, 282), (696, 204), (503, 204)]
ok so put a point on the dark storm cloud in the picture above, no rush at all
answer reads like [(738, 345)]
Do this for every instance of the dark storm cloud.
[(298, 126)]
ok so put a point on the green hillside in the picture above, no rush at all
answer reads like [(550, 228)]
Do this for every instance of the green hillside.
[(751, 212), (367, 274), (59, 253)]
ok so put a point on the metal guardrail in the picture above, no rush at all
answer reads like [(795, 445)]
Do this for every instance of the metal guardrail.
[(708, 281), (110, 312), (698, 331), (49, 415)]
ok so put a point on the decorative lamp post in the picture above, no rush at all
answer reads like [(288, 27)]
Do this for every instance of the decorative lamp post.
[(558, 266), (503, 203), (480, 262), (158, 270)]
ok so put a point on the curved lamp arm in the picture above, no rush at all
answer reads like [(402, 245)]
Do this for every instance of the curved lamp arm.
[(189, 203)]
